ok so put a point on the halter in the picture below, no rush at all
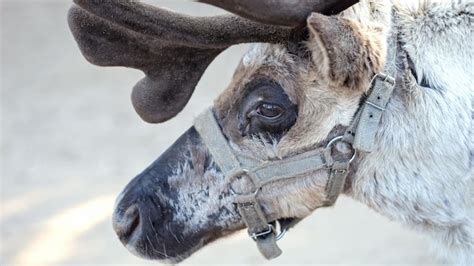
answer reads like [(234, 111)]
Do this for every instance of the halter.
[(360, 136)]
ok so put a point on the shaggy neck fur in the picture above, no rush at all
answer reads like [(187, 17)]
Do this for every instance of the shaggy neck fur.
[(420, 174)]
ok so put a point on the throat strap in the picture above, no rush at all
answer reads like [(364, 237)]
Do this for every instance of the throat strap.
[(367, 121)]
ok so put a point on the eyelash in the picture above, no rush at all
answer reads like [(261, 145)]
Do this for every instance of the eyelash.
[(270, 106)]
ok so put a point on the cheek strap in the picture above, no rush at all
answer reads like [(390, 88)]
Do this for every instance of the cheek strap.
[(260, 173), (360, 135)]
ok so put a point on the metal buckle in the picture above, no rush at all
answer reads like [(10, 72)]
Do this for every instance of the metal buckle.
[(385, 78), (270, 229), (339, 138)]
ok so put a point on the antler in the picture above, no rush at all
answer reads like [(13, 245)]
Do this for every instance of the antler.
[(281, 12), (173, 50)]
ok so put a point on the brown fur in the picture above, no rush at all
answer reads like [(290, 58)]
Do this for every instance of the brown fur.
[(326, 86)]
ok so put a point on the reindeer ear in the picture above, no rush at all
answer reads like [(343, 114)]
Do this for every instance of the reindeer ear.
[(345, 54)]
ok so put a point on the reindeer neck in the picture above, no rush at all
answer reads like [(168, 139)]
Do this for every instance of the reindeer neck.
[(417, 172)]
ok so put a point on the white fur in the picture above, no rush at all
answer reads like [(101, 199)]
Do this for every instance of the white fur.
[(421, 173)]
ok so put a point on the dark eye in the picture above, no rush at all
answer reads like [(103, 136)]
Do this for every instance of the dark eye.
[(266, 110), (269, 110)]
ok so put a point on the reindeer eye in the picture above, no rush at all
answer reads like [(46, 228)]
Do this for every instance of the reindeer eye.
[(266, 110), (269, 110)]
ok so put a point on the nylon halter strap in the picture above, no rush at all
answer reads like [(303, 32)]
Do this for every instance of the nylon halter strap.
[(360, 135)]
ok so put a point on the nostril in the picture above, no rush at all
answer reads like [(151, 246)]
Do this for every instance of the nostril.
[(125, 224)]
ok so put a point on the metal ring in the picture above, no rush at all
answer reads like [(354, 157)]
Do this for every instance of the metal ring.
[(238, 172), (331, 142), (232, 191), (281, 234), (241, 172), (339, 138)]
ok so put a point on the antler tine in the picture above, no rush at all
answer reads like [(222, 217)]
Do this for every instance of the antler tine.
[(281, 12), (174, 50), (181, 29)]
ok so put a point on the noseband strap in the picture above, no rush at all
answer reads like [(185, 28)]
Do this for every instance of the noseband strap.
[(360, 135)]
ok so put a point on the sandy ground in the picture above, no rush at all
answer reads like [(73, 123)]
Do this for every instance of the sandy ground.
[(70, 141)]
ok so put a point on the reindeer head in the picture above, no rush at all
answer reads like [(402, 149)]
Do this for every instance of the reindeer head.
[(294, 90)]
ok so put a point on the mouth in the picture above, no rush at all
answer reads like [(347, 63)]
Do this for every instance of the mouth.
[(142, 245), (168, 211), (172, 209), (147, 232)]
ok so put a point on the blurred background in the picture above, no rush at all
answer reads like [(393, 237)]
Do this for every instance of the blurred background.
[(70, 141)]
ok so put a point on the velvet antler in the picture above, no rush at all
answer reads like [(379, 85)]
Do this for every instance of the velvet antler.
[(173, 50), (281, 12)]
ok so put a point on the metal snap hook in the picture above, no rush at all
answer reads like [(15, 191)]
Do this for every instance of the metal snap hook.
[(282, 232)]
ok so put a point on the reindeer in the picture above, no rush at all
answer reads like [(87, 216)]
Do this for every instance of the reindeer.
[(371, 99)]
